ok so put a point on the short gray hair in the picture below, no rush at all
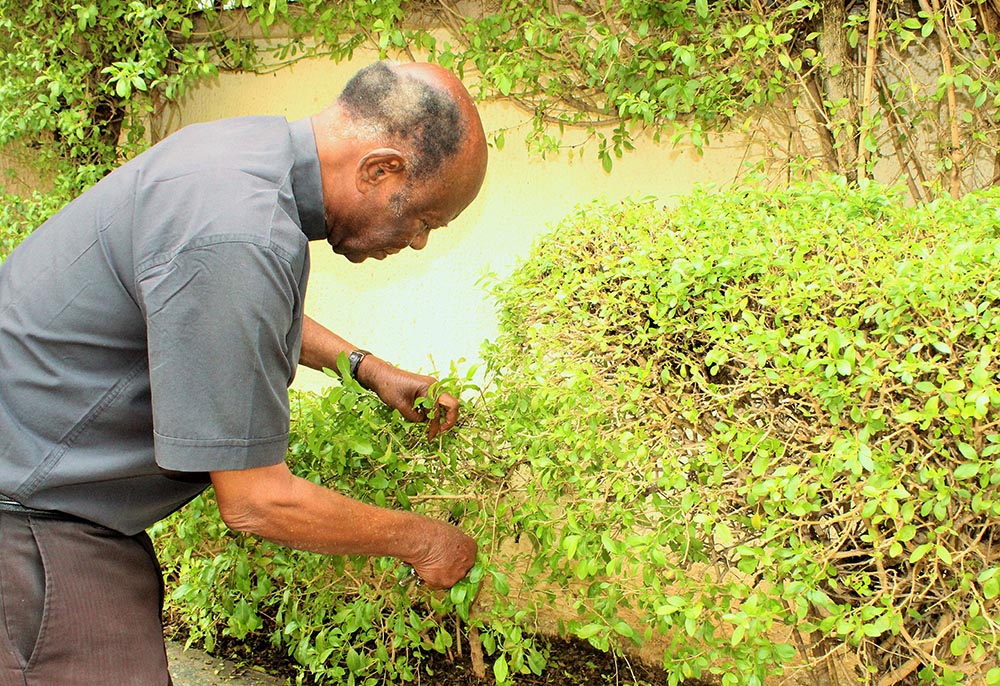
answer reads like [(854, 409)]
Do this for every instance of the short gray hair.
[(401, 107)]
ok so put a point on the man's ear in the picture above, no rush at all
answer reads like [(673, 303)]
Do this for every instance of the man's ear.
[(378, 166)]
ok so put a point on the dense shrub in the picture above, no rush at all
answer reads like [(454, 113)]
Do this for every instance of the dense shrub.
[(754, 434), (343, 619), (810, 375)]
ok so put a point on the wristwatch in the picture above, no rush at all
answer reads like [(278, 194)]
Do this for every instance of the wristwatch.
[(354, 359)]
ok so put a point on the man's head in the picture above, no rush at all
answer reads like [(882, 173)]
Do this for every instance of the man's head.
[(402, 151)]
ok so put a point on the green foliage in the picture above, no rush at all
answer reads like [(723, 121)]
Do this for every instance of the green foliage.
[(618, 67), (344, 619), (804, 385), (19, 216), (745, 432), (912, 96), (79, 80), (84, 83)]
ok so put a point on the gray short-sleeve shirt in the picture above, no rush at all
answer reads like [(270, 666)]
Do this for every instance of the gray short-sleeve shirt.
[(150, 329)]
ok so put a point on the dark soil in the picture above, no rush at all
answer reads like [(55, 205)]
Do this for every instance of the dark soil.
[(570, 663)]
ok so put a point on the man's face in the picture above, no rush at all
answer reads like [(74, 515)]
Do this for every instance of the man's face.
[(394, 216)]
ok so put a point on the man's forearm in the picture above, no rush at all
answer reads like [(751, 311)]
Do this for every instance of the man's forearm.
[(295, 512), (397, 388), (272, 503), (330, 523), (320, 346)]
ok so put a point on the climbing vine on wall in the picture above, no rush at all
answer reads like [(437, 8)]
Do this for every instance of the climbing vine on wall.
[(900, 90)]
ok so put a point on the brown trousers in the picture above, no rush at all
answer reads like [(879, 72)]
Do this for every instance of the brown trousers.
[(80, 605)]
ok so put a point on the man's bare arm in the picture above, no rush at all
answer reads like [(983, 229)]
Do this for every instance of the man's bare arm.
[(274, 504)]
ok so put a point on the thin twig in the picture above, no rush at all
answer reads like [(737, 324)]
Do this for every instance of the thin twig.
[(867, 102)]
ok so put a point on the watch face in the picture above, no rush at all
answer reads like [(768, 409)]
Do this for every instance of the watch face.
[(355, 359)]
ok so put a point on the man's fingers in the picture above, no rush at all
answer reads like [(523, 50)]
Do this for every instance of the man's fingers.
[(450, 406), (449, 558), (444, 417), (434, 426)]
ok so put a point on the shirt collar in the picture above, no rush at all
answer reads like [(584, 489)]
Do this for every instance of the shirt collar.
[(307, 183)]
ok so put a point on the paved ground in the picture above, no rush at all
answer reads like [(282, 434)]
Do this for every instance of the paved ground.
[(194, 668)]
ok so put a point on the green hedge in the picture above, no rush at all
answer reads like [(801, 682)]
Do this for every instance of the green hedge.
[(342, 619), (752, 435)]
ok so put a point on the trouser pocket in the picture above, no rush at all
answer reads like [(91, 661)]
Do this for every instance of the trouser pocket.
[(87, 606), (22, 587)]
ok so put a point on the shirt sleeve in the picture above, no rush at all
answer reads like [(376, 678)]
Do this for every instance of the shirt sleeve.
[(220, 327)]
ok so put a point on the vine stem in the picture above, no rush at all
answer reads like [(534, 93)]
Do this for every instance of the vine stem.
[(476, 653), (897, 675), (932, 9), (867, 103)]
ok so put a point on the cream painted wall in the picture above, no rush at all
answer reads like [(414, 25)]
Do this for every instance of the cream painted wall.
[(423, 310)]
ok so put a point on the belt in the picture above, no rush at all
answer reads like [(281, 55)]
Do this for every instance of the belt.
[(14, 507)]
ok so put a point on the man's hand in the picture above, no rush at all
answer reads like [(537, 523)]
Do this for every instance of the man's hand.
[(397, 388), (448, 557), (400, 389)]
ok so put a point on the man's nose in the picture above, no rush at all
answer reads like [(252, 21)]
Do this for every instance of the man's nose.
[(419, 241)]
